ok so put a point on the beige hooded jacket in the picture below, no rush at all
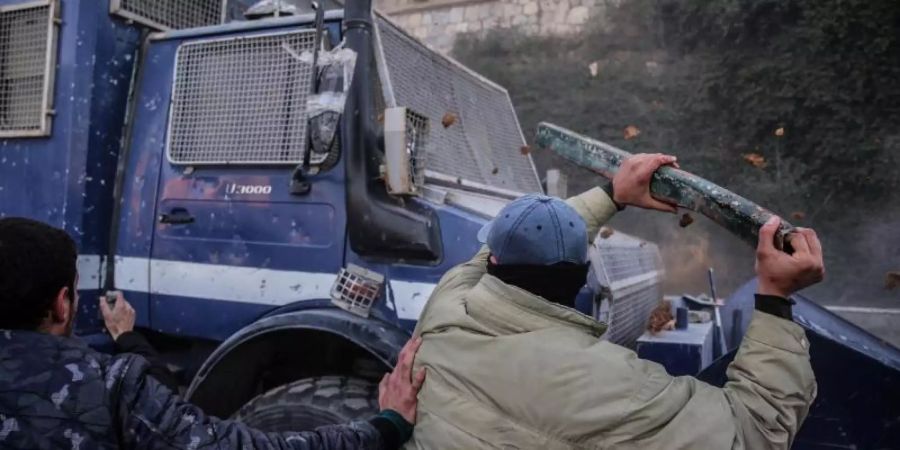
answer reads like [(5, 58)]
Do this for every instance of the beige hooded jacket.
[(507, 369)]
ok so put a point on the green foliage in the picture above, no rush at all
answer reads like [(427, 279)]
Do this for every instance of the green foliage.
[(829, 71), (712, 80)]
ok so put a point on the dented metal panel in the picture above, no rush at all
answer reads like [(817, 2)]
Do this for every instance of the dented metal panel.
[(737, 214)]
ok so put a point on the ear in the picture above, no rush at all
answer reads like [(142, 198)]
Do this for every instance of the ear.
[(62, 307), (494, 260)]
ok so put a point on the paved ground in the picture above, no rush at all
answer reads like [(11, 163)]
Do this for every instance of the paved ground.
[(882, 322)]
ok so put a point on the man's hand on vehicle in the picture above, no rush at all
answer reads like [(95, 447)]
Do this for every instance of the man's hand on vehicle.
[(781, 274), (631, 184), (118, 318), (398, 389)]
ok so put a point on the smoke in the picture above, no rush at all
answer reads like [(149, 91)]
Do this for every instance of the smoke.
[(689, 252), (861, 245)]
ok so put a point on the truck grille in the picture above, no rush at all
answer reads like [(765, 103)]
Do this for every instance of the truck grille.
[(241, 100), (483, 143)]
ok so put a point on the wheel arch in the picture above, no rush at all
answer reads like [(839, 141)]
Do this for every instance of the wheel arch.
[(282, 348)]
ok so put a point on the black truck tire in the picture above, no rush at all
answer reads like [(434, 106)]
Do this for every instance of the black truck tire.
[(311, 402)]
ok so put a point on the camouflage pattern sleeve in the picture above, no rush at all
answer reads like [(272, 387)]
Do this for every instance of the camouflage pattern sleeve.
[(151, 417), (135, 342)]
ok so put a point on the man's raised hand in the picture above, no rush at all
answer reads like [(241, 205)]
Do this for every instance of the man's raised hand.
[(781, 274), (631, 185)]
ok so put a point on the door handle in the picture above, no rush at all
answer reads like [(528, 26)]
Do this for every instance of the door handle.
[(177, 216)]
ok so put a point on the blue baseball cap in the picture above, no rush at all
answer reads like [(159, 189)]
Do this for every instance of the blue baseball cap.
[(536, 230)]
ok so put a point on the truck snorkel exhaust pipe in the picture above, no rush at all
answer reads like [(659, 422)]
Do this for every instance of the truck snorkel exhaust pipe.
[(378, 225)]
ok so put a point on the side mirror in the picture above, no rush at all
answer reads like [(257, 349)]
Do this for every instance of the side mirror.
[(405, 147)]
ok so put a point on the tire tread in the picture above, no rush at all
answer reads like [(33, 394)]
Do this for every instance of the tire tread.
[(298, 405)]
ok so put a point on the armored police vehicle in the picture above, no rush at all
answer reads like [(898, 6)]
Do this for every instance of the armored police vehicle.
[(277, 190)]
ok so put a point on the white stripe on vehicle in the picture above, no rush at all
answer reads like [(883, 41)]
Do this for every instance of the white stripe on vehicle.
[(234, 283), (132, 274), (237, 284), (862, 310), (90, 272), (410, 298)]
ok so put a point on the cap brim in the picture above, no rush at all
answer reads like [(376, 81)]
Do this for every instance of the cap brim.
[(484, 232)]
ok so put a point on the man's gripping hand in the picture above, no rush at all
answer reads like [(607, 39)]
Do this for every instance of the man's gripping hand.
[(398, 389), (631, 184), (118, 318), (781, 274)]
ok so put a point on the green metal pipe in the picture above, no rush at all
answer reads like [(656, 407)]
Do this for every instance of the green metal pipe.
[(737, 214)]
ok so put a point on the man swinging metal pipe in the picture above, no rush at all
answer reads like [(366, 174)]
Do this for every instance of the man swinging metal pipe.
[(511, 364)]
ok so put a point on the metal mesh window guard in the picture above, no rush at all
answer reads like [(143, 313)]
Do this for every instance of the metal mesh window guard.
[(169, 14), (27, 60), (475, 134), (417, 130), (356, 289), (629, 273), (241, 100)]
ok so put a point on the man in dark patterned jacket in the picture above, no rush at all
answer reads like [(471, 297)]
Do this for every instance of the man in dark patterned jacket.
[(56, 393)]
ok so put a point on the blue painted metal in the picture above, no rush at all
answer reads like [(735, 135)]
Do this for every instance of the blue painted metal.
[(380, 339), (66, 179), (682, 352), (815, 319), (274, 231), (858, 402), (458, 230)]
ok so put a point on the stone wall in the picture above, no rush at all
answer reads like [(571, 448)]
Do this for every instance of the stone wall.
[(438, 22)]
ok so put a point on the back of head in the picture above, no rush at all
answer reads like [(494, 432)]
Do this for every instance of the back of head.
[(36, 261), (536, 230), (539, 244)]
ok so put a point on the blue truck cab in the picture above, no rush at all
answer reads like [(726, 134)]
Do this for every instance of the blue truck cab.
[(278, 197), (225, 235), (294, 219)]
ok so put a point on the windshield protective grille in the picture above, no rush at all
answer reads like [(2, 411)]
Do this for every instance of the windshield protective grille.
[(474, 133), (169, 14), (241, 100)]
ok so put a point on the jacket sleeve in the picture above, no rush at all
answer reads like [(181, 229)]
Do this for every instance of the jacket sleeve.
[(134, 342), (595, 207), (150, 416), (768, 394)]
